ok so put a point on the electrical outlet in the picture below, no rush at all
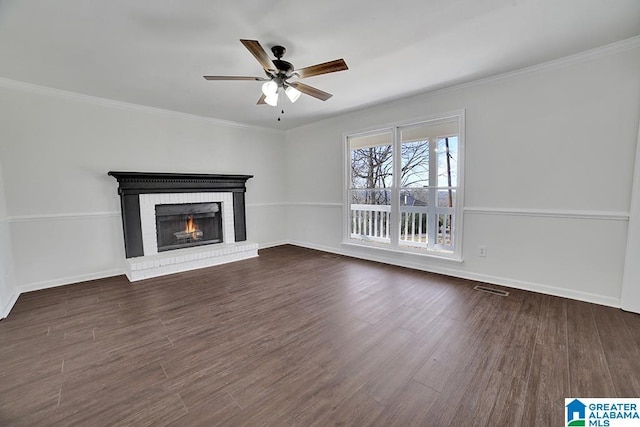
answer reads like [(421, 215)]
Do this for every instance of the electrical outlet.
[(482, 251)]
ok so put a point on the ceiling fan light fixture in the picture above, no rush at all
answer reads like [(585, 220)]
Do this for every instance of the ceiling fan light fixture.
[(292, 93), (270, 88), (272, 99)]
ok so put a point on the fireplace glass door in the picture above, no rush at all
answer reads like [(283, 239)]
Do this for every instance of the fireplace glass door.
[(188, 224)]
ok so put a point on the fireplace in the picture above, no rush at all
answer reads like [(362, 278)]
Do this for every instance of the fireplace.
[(175, 222), (185, 225)]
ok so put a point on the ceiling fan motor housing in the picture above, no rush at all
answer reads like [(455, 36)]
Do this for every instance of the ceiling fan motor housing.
[(278, 51), (283, 67)]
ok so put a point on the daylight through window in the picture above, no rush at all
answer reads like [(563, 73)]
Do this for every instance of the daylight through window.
[(405, 187)]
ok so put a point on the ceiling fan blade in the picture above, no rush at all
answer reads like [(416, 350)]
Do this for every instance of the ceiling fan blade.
[(261, 100), (259, 53), (324, 68), (312, 91), (233, 78)]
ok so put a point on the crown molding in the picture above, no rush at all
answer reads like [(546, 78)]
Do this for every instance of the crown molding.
[(602, 51), (59, 93), (554, 64)]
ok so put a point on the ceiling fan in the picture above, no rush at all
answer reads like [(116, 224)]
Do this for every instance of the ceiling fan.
[(279, 72)]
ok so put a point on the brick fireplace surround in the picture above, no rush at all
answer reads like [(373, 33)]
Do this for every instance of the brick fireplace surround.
[(140, 192)]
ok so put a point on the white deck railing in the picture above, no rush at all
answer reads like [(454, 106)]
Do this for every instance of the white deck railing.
[(373, 223)]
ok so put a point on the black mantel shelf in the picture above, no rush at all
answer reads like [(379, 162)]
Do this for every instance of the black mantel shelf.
[(159, 182), (132, 184)]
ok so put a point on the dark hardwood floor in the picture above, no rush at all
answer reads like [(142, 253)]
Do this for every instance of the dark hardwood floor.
[(300, 337)]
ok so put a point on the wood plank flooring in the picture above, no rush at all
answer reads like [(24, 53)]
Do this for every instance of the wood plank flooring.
[(297, 337)]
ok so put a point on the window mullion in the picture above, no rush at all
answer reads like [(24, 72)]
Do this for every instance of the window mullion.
[(432, 216), (395, 190)]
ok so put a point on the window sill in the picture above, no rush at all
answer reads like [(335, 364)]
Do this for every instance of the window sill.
[(385, 248)]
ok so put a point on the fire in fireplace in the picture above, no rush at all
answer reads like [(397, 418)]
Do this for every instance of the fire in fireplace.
[(188, 224)]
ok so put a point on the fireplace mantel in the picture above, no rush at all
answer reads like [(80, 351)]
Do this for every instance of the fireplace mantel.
[(158, 182), (132, 184)]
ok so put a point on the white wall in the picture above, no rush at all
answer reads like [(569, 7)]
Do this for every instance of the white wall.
[(64, 211), (549, 165), (8, 291), (631, 279)]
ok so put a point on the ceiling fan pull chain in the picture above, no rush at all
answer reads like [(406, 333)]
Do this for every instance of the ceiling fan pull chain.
[(281, 95)]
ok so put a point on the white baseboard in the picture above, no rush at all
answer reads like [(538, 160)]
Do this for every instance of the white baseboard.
[(486, 278), (36, 286), (272, 244), (4, 311), (543, 289), (496, 280)]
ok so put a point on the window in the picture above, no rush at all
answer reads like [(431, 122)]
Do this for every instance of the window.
[(405, 185)]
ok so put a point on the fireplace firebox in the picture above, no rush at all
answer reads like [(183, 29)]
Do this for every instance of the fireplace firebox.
[(188, 224)]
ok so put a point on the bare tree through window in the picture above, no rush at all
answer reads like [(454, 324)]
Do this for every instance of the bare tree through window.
[(426, 175)]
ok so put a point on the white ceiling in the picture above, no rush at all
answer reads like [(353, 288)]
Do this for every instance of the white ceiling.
[(155, 52)]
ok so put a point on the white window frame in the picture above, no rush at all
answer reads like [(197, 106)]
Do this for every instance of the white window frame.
[(394, 245)]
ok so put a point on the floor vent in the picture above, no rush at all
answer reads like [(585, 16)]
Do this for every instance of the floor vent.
[(492, 290), (331, 256)]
